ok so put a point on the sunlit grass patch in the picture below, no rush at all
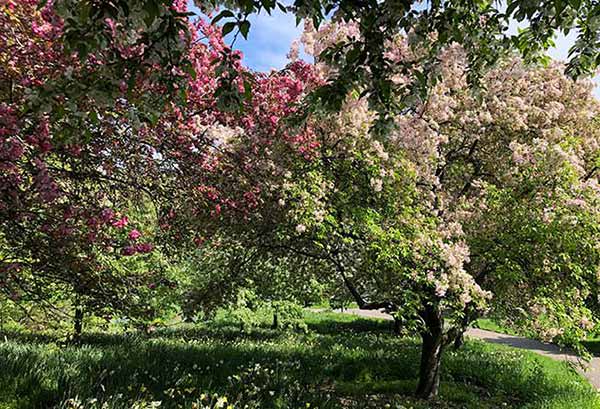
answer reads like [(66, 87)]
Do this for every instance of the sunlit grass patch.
[(341, 361)]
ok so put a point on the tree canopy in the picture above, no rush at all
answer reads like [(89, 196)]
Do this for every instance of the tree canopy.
[(419, 160)]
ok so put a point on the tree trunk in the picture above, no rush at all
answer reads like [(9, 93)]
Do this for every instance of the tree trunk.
[(275, 324), (397, 326), (78, 323), (459, 341), (459, 338), (431, 354)]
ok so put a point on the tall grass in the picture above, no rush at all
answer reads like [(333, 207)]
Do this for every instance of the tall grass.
[(340, 362)]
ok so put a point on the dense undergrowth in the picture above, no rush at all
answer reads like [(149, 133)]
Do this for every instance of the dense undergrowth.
[(339, 362)]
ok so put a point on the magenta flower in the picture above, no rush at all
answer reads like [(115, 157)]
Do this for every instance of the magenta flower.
[(122, 222), (107, 215), (134, 234)]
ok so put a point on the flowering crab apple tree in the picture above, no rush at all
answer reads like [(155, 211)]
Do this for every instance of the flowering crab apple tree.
[(504, 208), (513, 173), (418, 220), (324, 190), (72, 166), (65, 190), (218, 166)]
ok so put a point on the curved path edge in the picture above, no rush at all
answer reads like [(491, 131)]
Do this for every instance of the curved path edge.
[(590, 370)]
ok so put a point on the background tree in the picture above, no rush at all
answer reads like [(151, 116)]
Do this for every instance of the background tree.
[(63, 200), (250, 284), (147, 40)]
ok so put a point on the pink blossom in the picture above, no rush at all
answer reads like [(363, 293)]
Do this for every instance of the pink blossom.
[(217, 211), (134, 234), (107, 215), (122, 222)]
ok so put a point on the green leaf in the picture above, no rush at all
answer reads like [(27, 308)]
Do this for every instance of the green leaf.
[(222, 15), (247, 90), (354, 54), (152, 12), (228, 28), (512, 7), (245, 28)]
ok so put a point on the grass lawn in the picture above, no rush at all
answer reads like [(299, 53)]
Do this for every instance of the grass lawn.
[(490, 325), (342, 361)]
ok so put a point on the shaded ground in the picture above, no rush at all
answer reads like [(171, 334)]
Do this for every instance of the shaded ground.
[(342, 361), (591, 370)]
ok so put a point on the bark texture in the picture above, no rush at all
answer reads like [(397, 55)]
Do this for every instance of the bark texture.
[(431, 353)]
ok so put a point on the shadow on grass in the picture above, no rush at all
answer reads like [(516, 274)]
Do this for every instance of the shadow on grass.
[(592, 346), (355, 325), (340, 356)]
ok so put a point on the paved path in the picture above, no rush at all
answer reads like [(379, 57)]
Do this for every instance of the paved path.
[(591, 370)]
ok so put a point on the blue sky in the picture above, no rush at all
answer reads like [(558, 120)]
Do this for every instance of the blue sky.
[(269, 40), (271, 36)]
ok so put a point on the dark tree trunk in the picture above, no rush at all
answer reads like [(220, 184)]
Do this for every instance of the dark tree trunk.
[(459, 341), (78, 323), (429, 373), (354, 292), (459, 335), (397, 326), (275, 324), (431, 353)]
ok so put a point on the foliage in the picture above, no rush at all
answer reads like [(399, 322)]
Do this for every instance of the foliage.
[(223, 272), (131, 44), (79, 189), (480, 27)]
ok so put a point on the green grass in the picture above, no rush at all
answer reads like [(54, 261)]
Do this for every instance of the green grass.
[(342, 361), (490, 325)]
